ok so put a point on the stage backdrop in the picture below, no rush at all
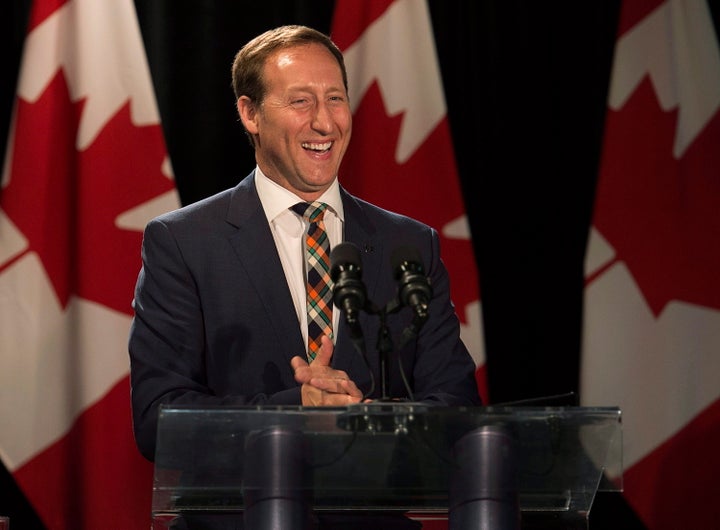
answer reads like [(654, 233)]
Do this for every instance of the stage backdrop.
[(526, 86)]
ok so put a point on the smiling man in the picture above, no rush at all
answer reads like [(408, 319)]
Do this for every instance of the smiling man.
[(229, 305)]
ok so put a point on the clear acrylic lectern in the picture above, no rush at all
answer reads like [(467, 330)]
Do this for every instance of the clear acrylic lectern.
[(485, 467)]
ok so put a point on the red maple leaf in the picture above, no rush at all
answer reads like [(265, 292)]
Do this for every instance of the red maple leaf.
[(425, 187), (658, 213), (66, 201)]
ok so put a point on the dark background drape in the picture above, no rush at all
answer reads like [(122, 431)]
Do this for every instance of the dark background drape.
[(525, 84)]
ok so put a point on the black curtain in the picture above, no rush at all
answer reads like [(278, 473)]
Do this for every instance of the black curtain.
[(526, 85)]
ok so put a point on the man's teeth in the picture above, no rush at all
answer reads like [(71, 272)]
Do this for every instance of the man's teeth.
[(317, 147)]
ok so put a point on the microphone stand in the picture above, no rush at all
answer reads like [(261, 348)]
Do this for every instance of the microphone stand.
[(385, 347), (350, 295), (384, 342)]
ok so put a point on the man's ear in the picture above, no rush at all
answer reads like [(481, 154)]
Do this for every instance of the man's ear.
[(248, 114)]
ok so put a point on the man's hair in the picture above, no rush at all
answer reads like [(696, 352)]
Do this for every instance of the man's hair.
[(247, 68)]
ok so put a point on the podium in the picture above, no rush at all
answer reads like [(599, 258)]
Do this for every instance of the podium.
[(483, 467)]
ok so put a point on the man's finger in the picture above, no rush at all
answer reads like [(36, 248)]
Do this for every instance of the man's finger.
[(301, 369), (298, 362), (336, 386), (324, 354)]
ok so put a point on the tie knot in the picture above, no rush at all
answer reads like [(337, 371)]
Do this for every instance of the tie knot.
[(313, 211)]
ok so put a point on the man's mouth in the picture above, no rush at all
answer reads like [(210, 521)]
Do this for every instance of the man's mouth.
[(318, 147)]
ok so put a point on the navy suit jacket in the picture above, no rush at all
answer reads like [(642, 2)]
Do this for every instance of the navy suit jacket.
[(215, 322)]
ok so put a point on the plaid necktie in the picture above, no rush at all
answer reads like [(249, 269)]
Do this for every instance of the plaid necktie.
[(319, 284)]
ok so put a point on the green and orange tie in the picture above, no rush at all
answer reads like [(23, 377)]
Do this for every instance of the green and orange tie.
[(319, 284)]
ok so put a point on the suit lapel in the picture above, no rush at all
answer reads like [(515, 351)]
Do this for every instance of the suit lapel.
[(360, 231), (255, 248)]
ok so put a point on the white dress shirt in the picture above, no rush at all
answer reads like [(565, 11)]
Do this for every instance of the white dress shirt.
[(288, 230)]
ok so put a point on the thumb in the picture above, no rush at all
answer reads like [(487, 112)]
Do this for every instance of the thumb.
[(298, 362)]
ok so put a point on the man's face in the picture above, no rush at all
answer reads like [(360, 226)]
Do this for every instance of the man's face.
[(303, 126)]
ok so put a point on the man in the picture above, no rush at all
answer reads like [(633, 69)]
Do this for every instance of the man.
[(220, 303)]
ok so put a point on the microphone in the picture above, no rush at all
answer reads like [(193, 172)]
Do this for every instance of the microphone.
[(349, 293), (413, 286)]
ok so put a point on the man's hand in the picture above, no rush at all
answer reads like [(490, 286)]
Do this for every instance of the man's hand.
[(322, 385)]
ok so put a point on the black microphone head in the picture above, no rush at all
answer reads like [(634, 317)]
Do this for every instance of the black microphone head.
[(406, 259), (343, 257), (348, 289), (413, 286)]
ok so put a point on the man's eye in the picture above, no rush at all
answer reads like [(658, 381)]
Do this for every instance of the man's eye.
[(301, 102)]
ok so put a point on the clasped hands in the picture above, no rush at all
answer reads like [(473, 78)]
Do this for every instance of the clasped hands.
[(322, 385)]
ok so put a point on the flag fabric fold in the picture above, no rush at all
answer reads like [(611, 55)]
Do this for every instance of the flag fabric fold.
[(401, 155), (651, 337), (85, 168)]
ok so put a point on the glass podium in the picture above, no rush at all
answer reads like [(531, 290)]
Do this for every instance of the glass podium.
[(485, 467)]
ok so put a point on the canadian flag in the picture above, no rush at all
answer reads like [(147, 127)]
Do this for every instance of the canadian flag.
[(86, 168), (401, 154), (652, 297)]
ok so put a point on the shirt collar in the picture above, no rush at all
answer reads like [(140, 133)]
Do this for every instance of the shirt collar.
[(277, 200)]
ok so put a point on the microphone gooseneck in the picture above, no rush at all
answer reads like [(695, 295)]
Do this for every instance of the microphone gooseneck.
[(350, 296)]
